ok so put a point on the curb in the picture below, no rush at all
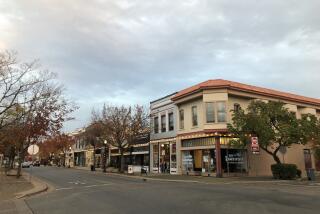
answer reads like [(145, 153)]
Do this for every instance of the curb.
[(39, 187)]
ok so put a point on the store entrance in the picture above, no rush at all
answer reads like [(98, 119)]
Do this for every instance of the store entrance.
[(165, 158)]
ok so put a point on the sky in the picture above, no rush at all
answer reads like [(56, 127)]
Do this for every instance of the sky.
[(135, 51)]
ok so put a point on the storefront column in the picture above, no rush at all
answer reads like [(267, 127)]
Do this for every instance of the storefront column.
[(218, 158)]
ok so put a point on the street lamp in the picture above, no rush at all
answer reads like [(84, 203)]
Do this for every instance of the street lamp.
[(105, 156), (69, 159)]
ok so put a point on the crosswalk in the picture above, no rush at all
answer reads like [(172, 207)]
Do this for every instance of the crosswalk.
[(77, 184)]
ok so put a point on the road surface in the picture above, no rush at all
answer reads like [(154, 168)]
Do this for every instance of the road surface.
[(85, 192)]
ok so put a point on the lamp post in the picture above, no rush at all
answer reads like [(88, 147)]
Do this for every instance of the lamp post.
[(70, 156), (105, 155)]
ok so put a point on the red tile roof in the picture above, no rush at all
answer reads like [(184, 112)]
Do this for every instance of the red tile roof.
[(225, 84)]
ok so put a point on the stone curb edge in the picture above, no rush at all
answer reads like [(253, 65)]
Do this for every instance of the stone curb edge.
[(43, 187)]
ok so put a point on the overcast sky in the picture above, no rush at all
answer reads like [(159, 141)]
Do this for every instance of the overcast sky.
[(135, 51)]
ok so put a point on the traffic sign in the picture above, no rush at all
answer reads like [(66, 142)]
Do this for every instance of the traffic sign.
[(33, 149), (255, 148)]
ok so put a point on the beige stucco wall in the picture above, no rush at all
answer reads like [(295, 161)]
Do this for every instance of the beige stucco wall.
[(188, 116), (243, 102), (260, 165)]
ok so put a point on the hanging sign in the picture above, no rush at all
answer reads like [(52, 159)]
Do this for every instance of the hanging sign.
[(255, 148)]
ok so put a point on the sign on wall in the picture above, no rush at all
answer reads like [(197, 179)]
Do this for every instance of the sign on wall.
[(255, 148)]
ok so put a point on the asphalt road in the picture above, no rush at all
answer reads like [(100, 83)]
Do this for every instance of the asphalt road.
[(84, 192)]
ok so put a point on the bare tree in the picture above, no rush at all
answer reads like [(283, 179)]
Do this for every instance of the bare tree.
[(93, 134), (32, 105), (123, 125)]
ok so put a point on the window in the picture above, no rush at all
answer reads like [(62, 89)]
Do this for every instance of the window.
[(181, 119), (210, 113), (163, 123), (156, 124), (221, 111), (156, 155), (236, 107), (171, 122), (194, 116)]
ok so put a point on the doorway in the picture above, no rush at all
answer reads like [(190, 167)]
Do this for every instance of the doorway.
[(307, 158)]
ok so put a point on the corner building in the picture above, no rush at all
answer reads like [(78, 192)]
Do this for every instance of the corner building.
[(201, 138)]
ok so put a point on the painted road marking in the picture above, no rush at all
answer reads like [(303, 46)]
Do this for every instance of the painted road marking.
[(64, 188), (89, 186)]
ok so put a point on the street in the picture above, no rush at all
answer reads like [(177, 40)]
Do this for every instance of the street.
[(80, 191)]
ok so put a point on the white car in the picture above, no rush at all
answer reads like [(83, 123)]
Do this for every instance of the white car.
[(26, 164)]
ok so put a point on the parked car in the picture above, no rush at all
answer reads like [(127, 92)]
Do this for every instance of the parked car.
[(36, 163), (26, 164)]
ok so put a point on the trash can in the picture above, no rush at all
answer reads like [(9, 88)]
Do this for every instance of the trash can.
[(92, 167), (311, 175), (130, 169)]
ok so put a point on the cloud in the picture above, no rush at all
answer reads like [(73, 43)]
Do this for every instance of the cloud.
[(136, 51)]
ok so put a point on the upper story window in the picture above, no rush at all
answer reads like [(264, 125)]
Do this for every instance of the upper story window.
[(156, 124), (163, 123), (181, 119), (171, 121), (194, 116), (236, 107), (221, 112), (210, 113)]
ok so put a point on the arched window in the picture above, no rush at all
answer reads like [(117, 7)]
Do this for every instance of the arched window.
[(236, 107)]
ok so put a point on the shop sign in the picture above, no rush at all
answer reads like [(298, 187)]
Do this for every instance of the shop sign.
[(188, 158), (255, 148), (234, 158)]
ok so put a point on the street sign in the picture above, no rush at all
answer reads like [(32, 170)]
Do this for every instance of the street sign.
[(255, 148), (33, 149)]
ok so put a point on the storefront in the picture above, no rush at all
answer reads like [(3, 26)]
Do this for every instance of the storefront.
[(198, 157), (79, 159), (164, 157), (138, 155)]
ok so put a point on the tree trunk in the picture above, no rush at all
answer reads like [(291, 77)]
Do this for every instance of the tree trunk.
[(19, 163), (94, 158), (276, 158), (121, 161), (273, 154)]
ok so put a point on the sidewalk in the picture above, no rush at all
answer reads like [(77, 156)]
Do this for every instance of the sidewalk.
[(10, 185), (12, 190), (210, 180)]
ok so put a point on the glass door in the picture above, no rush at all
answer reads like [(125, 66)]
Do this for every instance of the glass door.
[(173, 159), (165, 158)]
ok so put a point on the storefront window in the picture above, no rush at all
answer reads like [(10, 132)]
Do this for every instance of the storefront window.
[(173, 161), (234, 160), (206, 141), (187, 161), (155, 156)]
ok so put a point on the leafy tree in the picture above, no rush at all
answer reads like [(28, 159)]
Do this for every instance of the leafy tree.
[(274, 125), (57, 144)]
